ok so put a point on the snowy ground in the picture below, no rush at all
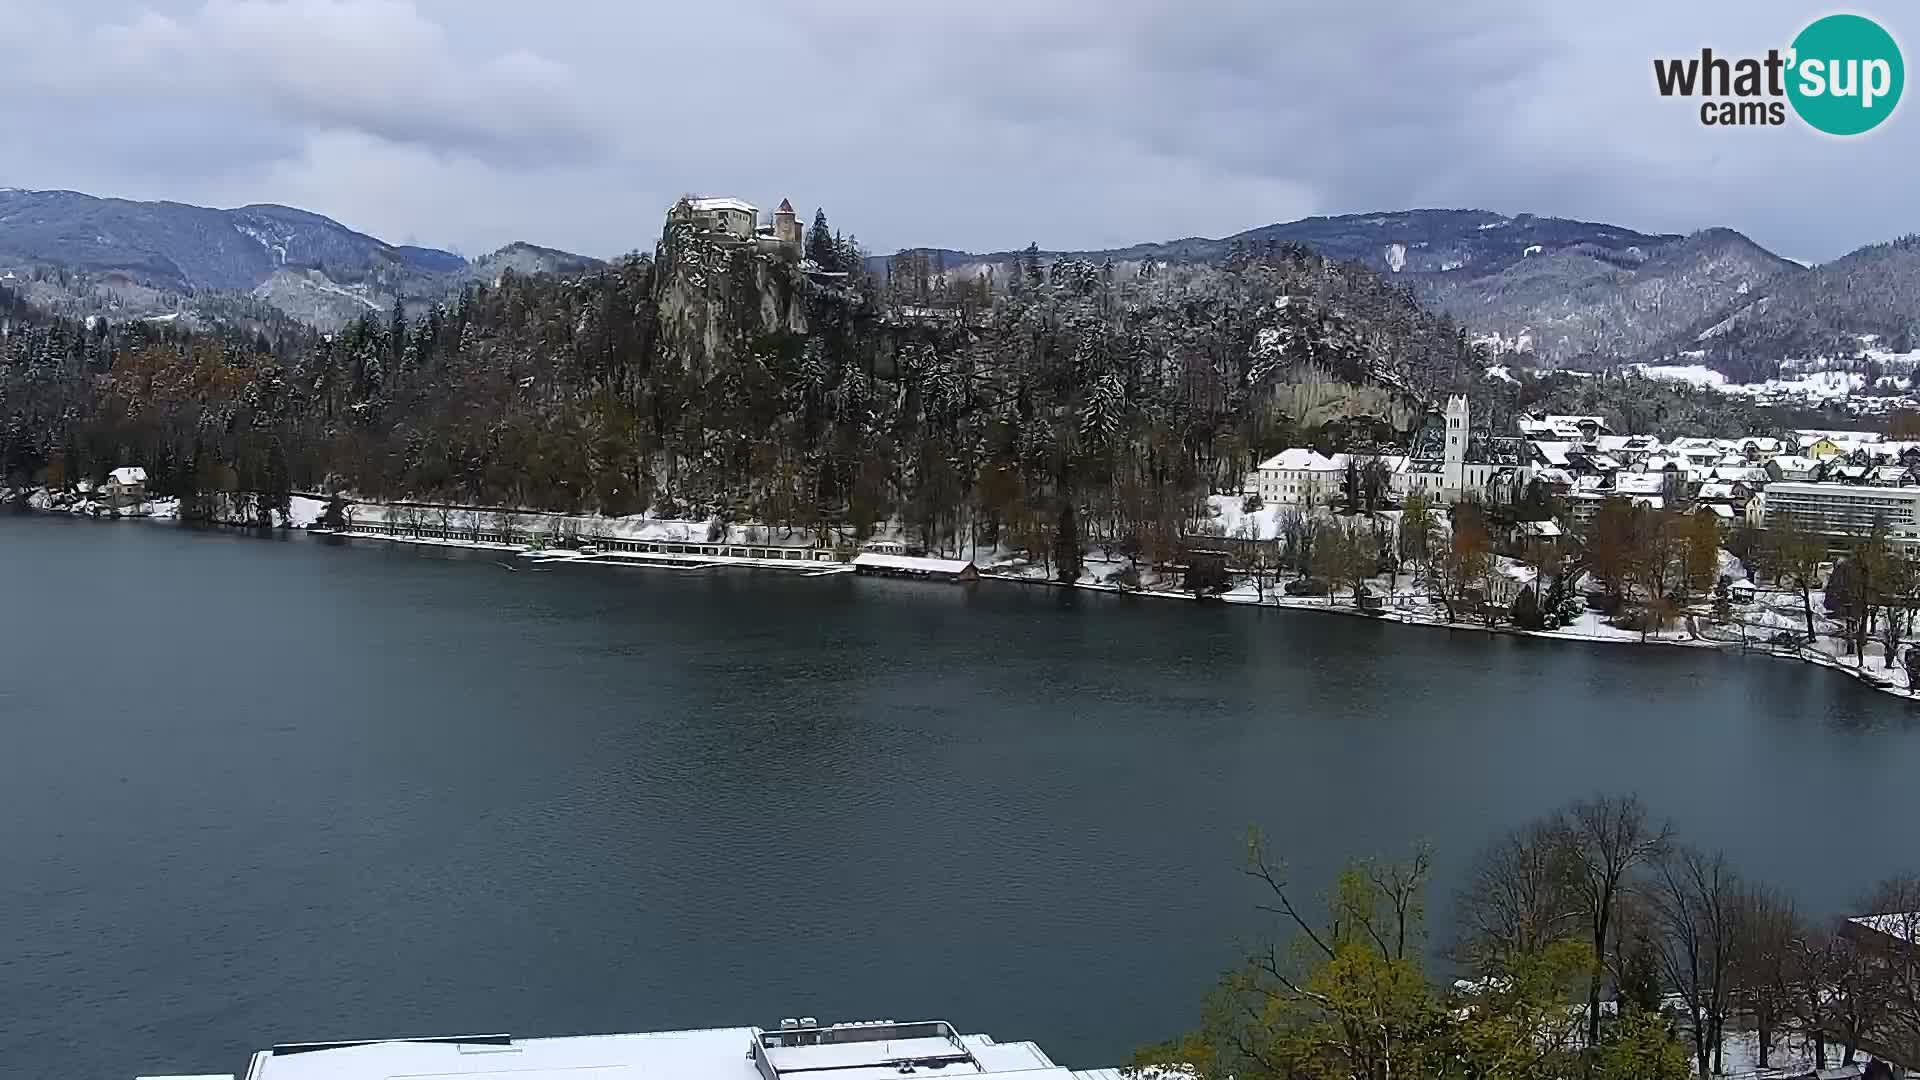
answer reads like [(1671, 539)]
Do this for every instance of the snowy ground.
[(302, 510), (84, 505), (1817, 385)]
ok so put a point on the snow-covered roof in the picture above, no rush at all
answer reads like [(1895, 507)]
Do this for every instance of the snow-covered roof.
[(1647, 483), (129, 474), (709, 1054), (1795, 463), (1553, 453), (1721, 510), (1304, 459), (1541, 528), (1904, 926), (911, 563), (1627, 442), (717, 202)]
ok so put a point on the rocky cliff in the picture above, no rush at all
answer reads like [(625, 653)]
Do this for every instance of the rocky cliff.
[(720, 299)]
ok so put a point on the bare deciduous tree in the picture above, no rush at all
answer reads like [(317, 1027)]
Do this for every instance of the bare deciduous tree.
[(1693, 896), (1609, 837), (1521, 896), (1766, 926)]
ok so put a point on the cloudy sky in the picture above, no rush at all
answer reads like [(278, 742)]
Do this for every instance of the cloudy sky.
[(978, 124)]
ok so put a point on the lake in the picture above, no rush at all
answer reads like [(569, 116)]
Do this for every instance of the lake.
[(260, 790)]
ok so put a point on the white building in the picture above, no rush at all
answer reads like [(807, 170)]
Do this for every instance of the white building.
[(738, 219), (1792, 467), (1838, 510), (1450, 461), (1299, 477), (798, 1050), (125, 485)]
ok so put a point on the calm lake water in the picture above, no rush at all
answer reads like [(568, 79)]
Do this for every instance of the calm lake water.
[(275, 790)]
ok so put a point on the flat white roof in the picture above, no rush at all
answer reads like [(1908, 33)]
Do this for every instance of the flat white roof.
[(701, 1054), (882, 561), (711, 1054), (1841, 491)]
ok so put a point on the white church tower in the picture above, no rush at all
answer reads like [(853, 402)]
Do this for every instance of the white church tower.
[(1454, 478)]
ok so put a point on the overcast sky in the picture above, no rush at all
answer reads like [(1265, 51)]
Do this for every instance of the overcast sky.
[(978, 124)]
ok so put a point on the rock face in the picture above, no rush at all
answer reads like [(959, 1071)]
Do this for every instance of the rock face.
[(721, 300)]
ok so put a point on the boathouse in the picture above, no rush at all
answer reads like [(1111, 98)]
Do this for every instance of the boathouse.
[(911, 566)]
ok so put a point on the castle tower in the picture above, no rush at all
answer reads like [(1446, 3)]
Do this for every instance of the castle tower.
[(786, 228), (1453, 479)]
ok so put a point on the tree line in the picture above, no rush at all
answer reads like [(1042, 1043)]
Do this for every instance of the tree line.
[(1080, 408), (1593, 942)]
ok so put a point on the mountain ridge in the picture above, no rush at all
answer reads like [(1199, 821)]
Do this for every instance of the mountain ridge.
[(133, 259), (1533, 288), (1564, 290)]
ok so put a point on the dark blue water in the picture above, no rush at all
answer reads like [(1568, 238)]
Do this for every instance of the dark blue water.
[(271, 790)]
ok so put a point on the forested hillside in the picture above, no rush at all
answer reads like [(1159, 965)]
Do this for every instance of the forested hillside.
[(717, 380), (1833, 310), (123, 259)]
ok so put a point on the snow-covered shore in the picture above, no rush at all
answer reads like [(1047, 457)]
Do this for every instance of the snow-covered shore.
[(238, 508), (1755, 622), (1752, 626)]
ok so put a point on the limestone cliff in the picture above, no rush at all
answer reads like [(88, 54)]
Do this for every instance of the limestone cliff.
[(720, 299)]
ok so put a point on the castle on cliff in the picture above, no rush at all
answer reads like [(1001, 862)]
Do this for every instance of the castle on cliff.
[(737, 222)]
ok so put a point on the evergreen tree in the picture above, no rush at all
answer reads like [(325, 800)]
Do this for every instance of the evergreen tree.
[(1526, 610), (1639, 982), (820, 243)]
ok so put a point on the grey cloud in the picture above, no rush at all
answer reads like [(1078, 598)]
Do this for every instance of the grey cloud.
[(982, 124), (379, 67)]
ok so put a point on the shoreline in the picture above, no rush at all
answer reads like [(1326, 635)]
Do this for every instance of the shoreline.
[(1866, 676), (691, 563), (658, 560)]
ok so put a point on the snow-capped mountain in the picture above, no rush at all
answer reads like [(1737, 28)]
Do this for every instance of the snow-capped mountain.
[(155, 259), (1561, 289)]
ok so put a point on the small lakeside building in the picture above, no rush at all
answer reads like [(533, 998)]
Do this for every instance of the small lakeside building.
[(890, 564)]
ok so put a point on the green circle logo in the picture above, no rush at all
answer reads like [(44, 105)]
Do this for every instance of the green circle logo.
[(1846, 74)]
